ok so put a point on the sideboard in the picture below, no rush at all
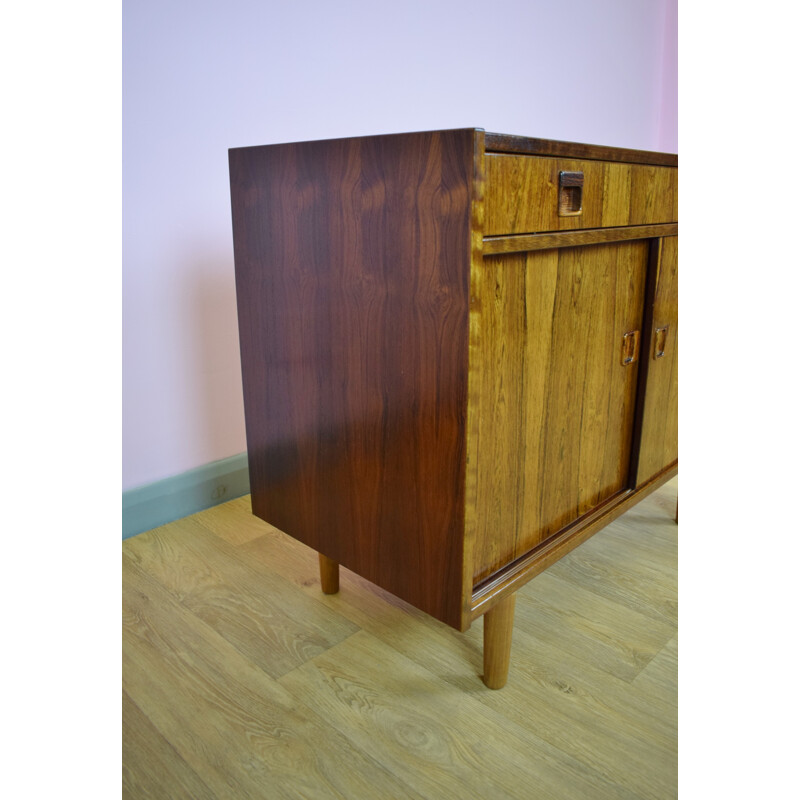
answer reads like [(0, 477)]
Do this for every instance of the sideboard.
[(459, 355)]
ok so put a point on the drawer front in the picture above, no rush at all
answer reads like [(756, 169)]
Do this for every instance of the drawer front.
[(522, 194)]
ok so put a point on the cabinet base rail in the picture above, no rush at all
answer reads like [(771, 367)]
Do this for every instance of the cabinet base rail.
[(519, 572)]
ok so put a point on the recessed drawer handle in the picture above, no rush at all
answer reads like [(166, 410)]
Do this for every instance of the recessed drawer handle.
[(570, 194)]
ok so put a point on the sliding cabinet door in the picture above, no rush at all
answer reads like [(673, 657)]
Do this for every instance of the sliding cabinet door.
[(659, 448), (557, 336)]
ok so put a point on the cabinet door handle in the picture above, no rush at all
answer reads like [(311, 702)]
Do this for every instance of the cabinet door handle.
[(660, 341), (630, 348)]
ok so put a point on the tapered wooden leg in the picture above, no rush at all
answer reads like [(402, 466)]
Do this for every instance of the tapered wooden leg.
[(498, 625), (328, 574)]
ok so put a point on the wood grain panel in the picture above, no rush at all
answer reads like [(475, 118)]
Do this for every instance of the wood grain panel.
[(556, 439), (659, 443), (352, 270), (522, 194)]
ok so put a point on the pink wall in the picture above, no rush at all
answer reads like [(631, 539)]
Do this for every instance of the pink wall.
[(668, 115), (201, 76)]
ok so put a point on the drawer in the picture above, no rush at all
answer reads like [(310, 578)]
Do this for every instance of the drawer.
[(522, 194)]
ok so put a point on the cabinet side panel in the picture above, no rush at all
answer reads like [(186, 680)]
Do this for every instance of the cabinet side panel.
[(352, 272), (659, 445)]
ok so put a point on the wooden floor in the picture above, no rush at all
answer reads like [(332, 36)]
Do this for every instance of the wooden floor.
[(242, 680)]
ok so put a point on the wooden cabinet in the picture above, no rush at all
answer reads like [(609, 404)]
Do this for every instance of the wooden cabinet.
[(459, 354)]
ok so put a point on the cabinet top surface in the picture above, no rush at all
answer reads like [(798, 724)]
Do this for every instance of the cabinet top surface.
[(526, 145)]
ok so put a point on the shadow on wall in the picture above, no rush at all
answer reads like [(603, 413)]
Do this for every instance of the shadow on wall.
[(211, 431), (214, 374)]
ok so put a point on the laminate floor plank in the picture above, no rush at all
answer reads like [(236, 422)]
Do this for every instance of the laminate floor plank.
[(645, 538), (248, 607), (570, 684), (364, 604), (457, 657), (601, 720), (432, 735), (151, 767), (408, 630), (228, 720), (261, 686), (648, 530), (602, 632), (233, 521), (623, 578), (659, 680)]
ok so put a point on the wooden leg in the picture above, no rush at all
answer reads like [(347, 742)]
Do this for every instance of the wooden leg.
[(676, 510), (328, 574), (498, 624)]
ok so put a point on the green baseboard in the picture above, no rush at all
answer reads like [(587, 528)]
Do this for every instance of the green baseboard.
[(147, 507)]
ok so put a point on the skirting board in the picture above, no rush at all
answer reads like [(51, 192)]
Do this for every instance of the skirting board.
[(158, 503)]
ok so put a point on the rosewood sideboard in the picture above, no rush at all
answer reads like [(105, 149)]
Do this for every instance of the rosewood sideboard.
[(459, 355)]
